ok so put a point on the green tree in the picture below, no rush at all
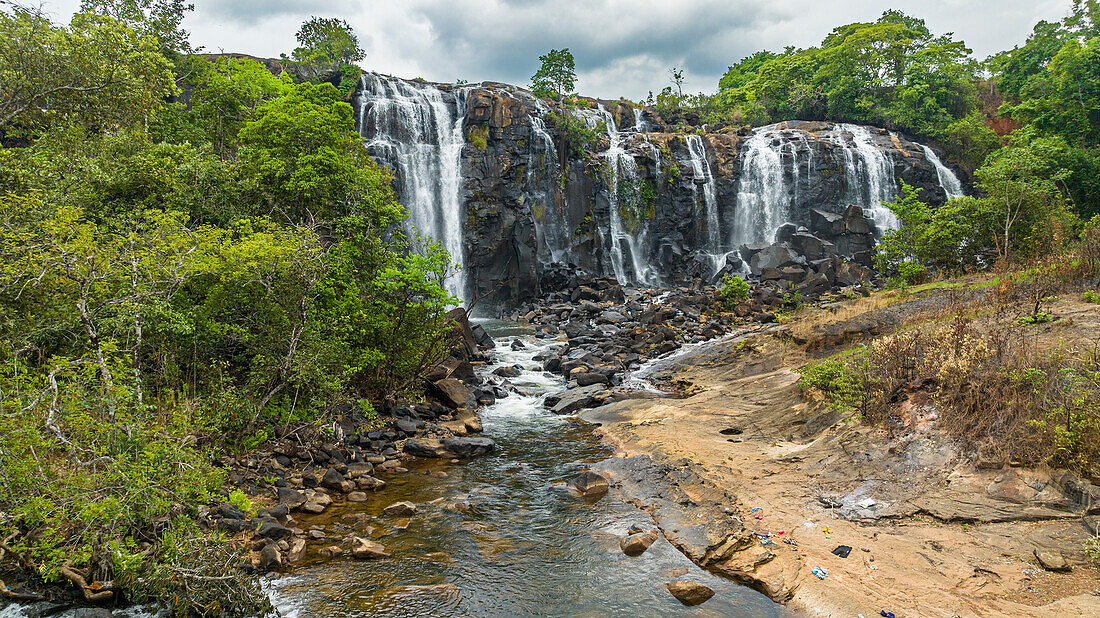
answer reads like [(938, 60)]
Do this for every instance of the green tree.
[(325, 45), (96, 73), (308, 162), (556, 75), (162, 19)]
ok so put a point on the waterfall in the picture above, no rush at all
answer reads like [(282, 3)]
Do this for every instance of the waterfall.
[(869, 174), (763, 202), (948, 180), (553, 234), (623, 167), (701, 168), (417, 131)]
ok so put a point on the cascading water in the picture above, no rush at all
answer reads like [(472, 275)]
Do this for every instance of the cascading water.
[(703, 176), (763, 202), (948, 180), (417, 131), (627, 247), (554, 237), (869, 174)]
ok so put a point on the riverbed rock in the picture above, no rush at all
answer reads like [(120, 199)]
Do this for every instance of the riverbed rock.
[(332, 480), (365, 549), (400, 509), (590, 484), (274, 531), (453, 393), (270, 558), (689, 592), (449, 448), (469, 447), (636, 544), (290, 497), (575, 399)]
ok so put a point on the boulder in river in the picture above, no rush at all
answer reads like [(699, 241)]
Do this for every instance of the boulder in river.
[(635, 544), (400, 509), (365, 549), (575, 399), (453, 393), (590, 484), (449, 448), (689, 592)]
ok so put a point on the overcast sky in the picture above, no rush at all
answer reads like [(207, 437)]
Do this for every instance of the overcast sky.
[(622, 47)]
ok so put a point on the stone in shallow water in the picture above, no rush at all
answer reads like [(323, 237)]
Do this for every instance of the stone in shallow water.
[(636, 544), (590, 484), (364, 549), (400, 509), (689, 592)]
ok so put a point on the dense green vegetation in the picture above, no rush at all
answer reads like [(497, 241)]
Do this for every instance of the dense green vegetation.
[(177, 277)]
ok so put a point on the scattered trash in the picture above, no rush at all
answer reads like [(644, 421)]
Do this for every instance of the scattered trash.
[(757, 512), (791, 542), (827, 530), (767, 542), (872, 558), (886, 614), (822, 574), (842, 551), (756, 509), (780, 533)]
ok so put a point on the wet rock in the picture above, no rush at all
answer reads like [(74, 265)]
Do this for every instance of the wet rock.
[(469, 447), (360, 469), (453, 393), (400, 509), (270, 559), (689, 592), (513, 371), (590, 484), (357, 496), (331, 551), (449, 448), (635, 544), (365, 549), (296, 552), (574, 399), (370, 483), (590, 378)]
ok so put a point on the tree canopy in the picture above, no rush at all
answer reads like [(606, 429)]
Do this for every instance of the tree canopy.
[(556, 75)]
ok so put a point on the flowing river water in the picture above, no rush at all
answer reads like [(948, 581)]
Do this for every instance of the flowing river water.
[(527, 547)]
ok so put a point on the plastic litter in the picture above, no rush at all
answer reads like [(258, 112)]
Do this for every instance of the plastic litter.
[(827, 530), (886, 614), (822, 574), (842, 551)]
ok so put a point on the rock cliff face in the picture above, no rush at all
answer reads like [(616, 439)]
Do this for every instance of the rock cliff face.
[(483, 169)]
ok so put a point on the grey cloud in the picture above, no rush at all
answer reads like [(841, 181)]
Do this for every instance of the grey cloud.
[(256, 11)]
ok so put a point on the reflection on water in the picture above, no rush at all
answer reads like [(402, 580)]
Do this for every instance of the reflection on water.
[(526, 547)]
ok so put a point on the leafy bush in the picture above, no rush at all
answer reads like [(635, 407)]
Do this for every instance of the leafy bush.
[(733, 289), (577, 135), (910, 272), (840, 380)]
